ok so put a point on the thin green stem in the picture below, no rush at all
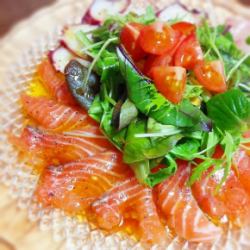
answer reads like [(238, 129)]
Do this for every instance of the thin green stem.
[(105, 45), (236, 66)]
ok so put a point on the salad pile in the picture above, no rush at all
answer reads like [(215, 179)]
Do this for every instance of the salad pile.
[(162, 91)]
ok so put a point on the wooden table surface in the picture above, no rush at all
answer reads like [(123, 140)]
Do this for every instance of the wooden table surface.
[(13, 219)]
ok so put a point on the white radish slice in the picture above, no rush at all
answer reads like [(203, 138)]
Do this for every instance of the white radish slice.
[(69, 38), (61, 56), (100, 9), (176, 11), (240, 30)]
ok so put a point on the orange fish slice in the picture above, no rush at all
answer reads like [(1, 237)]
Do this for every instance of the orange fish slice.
[(110, 211), (231, 202), (242, 164), (73, 186), (181, 210), (55, 83), (52, 115), (54, 148)]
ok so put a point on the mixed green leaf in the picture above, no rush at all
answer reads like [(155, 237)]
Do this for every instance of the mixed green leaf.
[(148, 128)]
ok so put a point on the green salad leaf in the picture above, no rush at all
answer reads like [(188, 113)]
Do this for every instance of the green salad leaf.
[(143, 93), (230, 110), (186, 149), (163, 173)]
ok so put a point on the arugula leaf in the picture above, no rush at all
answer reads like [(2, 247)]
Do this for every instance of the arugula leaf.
[(96, 111), (198, 171), (230, 110), (143, 93), (163, 173), (193, 91), (186, 149)]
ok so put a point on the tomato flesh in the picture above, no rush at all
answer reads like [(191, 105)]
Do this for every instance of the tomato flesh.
[(129, 37), (170, 82), (155, 61), (185, 28), (211, 76), (189, 53), (157, 38)]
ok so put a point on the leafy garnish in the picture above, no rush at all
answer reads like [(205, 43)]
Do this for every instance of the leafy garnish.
[(143, 93), (230, 110), (163, 173)]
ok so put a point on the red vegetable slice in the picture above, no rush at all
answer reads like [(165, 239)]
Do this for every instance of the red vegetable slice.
[(157, 38), (155, 61), (130, 39), (100, 9), (170, 81), (211, 75), (189, 53), (185, 28)]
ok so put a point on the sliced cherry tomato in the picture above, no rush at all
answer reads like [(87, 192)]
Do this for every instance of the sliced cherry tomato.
[(211, 75), (130, 40), (185, 28), (170, 81), (189, 53), (154, 61), (157, 38)]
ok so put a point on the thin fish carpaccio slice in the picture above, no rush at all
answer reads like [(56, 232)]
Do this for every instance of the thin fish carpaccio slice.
[(242, 166), (230, 204), (55, 83), (109, 211), (73, 186), (55, 116), (181, 209), (53, 148)]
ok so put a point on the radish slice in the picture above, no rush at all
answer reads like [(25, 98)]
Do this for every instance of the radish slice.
[(61, 56), (100, 9), (69, 38), (176, 11), (240, 30)]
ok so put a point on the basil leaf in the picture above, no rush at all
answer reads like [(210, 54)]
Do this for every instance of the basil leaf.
[(230, 110)]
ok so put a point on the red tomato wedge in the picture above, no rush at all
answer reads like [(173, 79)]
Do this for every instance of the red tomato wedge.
[(170, 81), (155, 61), (185, 28), (157, 38), (130, 40), (189, 53), (211, 75)]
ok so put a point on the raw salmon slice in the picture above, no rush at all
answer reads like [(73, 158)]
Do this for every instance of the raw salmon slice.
[(242, 164), (73, 186), (181, 209), (52, 115), (55, 83), (230, 204), (110, 211), (59, 148)]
